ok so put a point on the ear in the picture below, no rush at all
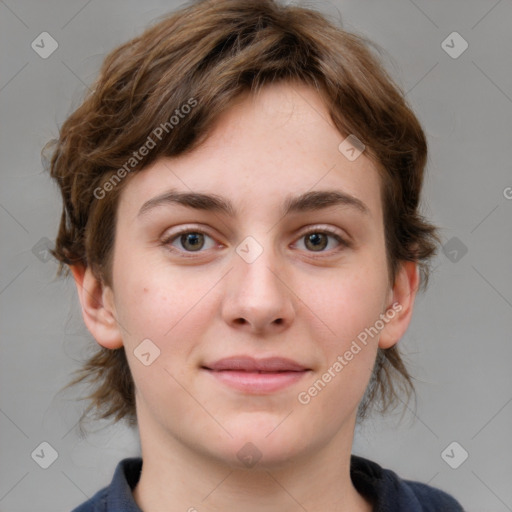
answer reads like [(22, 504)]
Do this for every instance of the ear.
[(401, 302), (97, 307)]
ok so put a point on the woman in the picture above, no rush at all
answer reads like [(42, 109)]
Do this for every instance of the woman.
[(241, 194)]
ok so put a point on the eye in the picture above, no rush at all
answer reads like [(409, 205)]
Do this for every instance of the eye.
[(188, 240), (318, 239)]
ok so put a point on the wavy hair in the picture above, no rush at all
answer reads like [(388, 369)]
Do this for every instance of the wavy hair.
[(213, 52)]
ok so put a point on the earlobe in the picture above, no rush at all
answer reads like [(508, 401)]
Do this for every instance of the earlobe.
[(98, 309), (401, 305)]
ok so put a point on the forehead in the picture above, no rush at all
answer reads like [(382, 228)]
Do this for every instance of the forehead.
[(266, 147)]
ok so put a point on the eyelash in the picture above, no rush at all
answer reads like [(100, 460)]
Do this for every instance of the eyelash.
[(192, 254)]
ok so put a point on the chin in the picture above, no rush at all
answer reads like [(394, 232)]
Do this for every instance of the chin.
[(262, 446)]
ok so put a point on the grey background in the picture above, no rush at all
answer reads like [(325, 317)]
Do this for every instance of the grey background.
[(459, 344)]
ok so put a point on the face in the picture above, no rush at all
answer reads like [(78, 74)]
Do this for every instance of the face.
[(251, 278)]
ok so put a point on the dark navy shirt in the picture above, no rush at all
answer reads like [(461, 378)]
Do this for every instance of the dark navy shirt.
[(384, 488)]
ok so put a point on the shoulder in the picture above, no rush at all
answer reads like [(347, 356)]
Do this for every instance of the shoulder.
[(430, 498), (98, 503), (389, 492), (117, 496)]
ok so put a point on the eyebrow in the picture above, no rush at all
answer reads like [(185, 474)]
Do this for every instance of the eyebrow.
[(307, 202)]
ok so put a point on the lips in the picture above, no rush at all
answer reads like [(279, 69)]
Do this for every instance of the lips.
[(249, 364), (256, 376)]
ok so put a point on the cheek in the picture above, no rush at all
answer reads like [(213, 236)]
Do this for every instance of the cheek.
[(350, 306), (170, 309), (349, 303), (151, 298), (149, 311)]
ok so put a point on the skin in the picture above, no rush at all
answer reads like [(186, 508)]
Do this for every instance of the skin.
[(292, 301)]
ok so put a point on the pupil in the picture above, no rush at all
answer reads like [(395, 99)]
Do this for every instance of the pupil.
[(317, 239), (192, 240)]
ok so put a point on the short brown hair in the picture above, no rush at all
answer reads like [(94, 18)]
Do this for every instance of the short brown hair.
[(213, 51)]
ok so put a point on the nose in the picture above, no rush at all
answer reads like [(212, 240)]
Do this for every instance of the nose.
[(257, 297)]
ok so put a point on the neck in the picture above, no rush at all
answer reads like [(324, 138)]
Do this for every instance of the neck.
[(176, 477)]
